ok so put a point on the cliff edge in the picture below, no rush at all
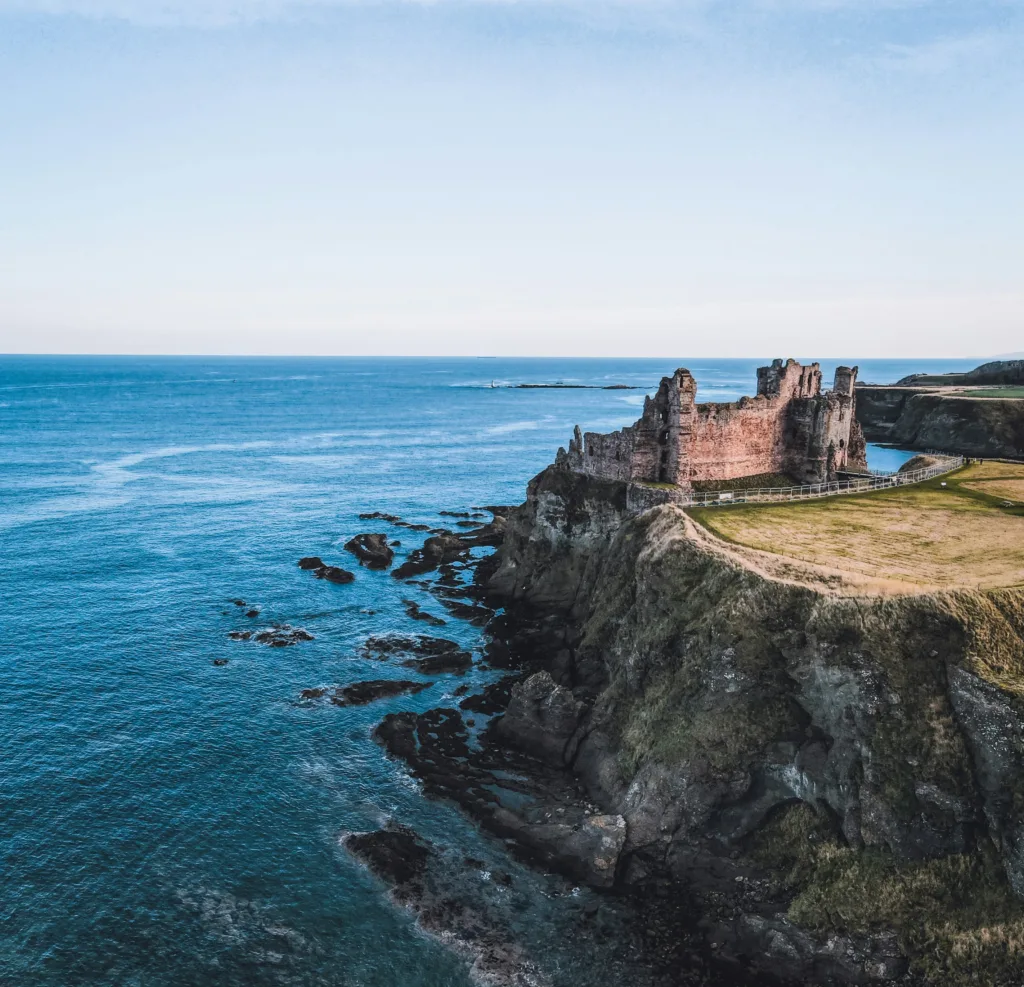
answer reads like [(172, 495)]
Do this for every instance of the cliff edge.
[(834, 770)]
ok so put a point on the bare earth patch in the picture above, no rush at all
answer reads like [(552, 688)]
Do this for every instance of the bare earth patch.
[(924, 537)]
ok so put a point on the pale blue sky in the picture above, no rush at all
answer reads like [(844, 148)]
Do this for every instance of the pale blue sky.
[(624, 178)]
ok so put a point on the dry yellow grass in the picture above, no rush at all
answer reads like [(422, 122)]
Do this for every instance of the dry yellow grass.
[(923, 537), (1001, 480)]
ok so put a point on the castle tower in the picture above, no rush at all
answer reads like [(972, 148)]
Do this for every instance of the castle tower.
[(845, 381), (663, 432)]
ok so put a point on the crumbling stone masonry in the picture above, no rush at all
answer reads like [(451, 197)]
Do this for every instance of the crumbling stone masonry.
[(790, 427)]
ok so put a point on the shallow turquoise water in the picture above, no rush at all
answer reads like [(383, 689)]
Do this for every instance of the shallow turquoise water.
[(164, 821)]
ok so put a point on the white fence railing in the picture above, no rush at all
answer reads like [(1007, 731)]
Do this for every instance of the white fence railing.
[(809, 491)]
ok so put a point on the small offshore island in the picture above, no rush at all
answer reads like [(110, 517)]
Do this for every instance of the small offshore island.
[(793, 734)]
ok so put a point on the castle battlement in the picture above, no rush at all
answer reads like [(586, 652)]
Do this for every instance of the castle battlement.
[(791, 426)]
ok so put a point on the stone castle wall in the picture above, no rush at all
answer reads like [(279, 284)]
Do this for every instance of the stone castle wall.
[(790, 426)]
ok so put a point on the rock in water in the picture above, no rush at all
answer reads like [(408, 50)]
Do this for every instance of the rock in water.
[(435, 887), (361, 693), (437, 550), (282, 636), (372, 550), (413, 610), (396, 855), (320, 569), (333, 574), (430, 655)]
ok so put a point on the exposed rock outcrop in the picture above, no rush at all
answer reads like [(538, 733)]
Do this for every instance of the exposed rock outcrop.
[(538, 807), (445, 547), (542, 718)]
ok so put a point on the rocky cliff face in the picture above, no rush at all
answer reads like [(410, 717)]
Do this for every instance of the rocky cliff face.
[(839, 780), (915, 419)]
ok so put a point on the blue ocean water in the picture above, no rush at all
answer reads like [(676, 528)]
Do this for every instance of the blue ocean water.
[(164, 821)]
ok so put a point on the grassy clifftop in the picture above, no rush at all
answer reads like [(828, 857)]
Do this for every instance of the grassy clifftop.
[(963, 530)]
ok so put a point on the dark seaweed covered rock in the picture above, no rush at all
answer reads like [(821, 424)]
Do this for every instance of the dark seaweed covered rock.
[(540, 809), (437, 550), (430, 655), (361, 693), (450, 661), (432, 883), (372, 550), (473, 613), (282, 636), (320, 569), (393, 519), (413, 610), (334, 574), (396, 854)]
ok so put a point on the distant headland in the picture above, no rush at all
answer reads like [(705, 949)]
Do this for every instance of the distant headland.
[(979, 413)]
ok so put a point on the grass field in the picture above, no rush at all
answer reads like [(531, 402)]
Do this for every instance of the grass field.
[(991, 392), (969, 532)]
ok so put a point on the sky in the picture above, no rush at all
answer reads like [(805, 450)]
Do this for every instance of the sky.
[(525, 177)]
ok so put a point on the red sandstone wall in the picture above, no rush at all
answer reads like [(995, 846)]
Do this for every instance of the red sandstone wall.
[(729, 441)]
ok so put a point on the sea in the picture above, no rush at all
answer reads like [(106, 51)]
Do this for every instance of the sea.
[(168, 821)]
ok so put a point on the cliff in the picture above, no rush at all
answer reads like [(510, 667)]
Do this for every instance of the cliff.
[(919, 419), (836, 776)]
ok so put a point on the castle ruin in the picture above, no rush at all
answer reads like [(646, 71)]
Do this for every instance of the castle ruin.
[(791, 427)]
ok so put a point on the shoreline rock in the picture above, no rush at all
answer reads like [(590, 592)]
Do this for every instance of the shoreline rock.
[(429, 655), (372, 550), (413, 610), (362, 693), (321, 570), (282, 636), (425, 882)]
